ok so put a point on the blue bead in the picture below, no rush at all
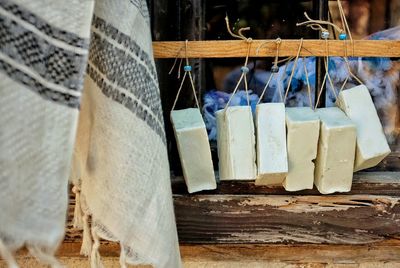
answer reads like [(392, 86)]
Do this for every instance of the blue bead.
[(324, 35), (244, 69), (187, 68), (342, 36)]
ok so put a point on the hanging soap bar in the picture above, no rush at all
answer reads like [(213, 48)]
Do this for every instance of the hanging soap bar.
[(336, 151), (372, 146), (302, 125), (194, 149), (272, 163), (236, 143)]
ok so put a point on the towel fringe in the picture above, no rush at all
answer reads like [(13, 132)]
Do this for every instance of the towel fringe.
[(78, 213), (44, 256), (87, 238), (95, 260), (6, 254), (122, 257)]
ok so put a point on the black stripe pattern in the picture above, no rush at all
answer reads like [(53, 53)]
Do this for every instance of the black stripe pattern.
[(54, 64), (134, 73), (54, 32)]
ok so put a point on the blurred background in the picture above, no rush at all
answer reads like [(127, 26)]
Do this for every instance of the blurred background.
[(268, 19)]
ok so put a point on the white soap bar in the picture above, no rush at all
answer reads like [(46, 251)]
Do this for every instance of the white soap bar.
[(272, 163), (336, 151), (236, 143), (194, 149), (372, 146), (302, 125)]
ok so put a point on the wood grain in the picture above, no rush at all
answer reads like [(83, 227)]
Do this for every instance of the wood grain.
[(238, 48), (243, 213), (382, 255), (351, 219)]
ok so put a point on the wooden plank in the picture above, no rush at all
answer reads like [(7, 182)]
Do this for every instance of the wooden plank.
[(238, 48), (351, 219), (383, 254), (378, 183), (240, 212)]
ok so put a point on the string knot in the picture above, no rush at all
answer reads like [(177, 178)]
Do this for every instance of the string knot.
[(278, 40), (187, 68), (244, 69)]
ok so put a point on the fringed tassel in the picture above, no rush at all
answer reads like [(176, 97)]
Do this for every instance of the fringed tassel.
[(122, 257), (45, 257), (87, 238), (78, 218), (6, 254), (95, 260)]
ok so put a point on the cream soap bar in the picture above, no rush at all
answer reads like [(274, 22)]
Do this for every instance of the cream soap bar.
[(302, 125), (272, 163), (336, 151), (194, 149), (372, 146), (236, 143)]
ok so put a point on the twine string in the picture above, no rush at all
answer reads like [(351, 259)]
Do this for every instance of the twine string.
[(276, 61), (293, 70), (188, 72)]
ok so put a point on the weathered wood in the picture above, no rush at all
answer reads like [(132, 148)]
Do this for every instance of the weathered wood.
[(351, 219), (240, 212), (238, 48), (378, 183), (390, 163), (383, 254)]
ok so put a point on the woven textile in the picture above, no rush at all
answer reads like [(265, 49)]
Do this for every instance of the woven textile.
[(120, 169), (43, 53)]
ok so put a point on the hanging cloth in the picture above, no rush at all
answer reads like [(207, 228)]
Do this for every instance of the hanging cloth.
[(43, 55)]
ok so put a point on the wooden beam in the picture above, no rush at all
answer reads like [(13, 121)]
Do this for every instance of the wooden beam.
[(339, 219), (238, 48), (243, 213)]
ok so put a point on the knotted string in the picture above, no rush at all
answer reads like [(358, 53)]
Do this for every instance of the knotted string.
[(188, 72), (316, 24), (244, 70), (345, 58), (274, 70), (326, 76)]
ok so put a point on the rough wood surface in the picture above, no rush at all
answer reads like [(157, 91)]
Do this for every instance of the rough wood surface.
[(238, 48), (383, 254), (242, 213), (344, 219)]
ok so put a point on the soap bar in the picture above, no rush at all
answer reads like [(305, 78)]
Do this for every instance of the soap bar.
[(336, 151), (194, 149), (372, 146), (272, 163), (302, 125), (236, 143)]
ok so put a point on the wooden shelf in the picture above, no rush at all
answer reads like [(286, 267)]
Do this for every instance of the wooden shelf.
[(239, 212), (238, 48)]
